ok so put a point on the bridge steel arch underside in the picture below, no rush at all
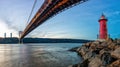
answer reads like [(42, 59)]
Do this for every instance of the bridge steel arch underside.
[(49, 9)]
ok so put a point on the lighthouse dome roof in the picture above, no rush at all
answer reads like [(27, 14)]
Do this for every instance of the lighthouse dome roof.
[(103, 17)]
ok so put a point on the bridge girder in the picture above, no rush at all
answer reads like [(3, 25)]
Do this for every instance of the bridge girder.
[(49, 9)]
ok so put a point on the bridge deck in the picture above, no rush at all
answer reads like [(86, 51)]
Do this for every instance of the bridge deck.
[(49, 9)]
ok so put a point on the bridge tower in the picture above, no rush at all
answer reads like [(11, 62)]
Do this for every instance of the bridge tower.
[(20, 40), (10, 35), (103, 27), (5, 35)]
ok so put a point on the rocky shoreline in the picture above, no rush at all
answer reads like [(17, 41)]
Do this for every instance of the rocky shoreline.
[(99, 54)]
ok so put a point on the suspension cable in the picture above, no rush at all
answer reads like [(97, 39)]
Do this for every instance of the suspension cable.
[(35, 1)]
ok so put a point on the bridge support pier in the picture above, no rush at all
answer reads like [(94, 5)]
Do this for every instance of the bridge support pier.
[(20, 41)]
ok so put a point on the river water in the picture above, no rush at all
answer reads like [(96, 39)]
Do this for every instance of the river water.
[(38, 55)]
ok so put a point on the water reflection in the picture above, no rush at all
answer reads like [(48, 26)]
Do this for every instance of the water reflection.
[(39, 55)]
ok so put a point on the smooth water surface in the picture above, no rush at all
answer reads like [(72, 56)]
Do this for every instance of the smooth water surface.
[(38, 55)]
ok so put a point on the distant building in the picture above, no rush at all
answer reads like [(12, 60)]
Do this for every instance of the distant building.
[(20, 32)]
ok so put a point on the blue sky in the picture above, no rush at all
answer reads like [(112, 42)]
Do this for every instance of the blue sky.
[(80, 22)]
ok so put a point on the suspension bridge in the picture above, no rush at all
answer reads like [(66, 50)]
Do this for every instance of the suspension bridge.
[(48, 9)]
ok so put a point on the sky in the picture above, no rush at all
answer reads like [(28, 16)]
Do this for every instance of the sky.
[(78, 22)]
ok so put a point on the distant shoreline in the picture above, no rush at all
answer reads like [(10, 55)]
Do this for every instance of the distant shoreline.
[(41, 40)]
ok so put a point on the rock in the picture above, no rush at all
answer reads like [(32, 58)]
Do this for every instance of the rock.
[(117, 41), (110, 40), (99, 47), (70, 66), (95, 62), (106, 58), (115, 64), (100, 53), (78, 49), (84, 63), (87, 44), (105, 50), (116, 53), (112, 46), (88, 55), (73, 49), (104, 44), (97, 42), (83, 50), (75, 65), (117, 46), (93, 46)]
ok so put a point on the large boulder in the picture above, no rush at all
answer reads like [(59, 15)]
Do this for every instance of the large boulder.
[(117, 46), (115, 64), (116, 53), (93, 45), (117, 41), (105, 50), (84, 63), (95, 62), (111, 46), (106, 58), (88, 55), (109, 40), (87, 44), (82, 51), (75, 65), (104, 44), (74, 49)]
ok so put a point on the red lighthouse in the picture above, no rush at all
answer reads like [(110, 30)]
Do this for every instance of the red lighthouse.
[(103, 27)]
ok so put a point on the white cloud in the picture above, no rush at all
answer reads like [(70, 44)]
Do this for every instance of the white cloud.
[(4, 28)]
